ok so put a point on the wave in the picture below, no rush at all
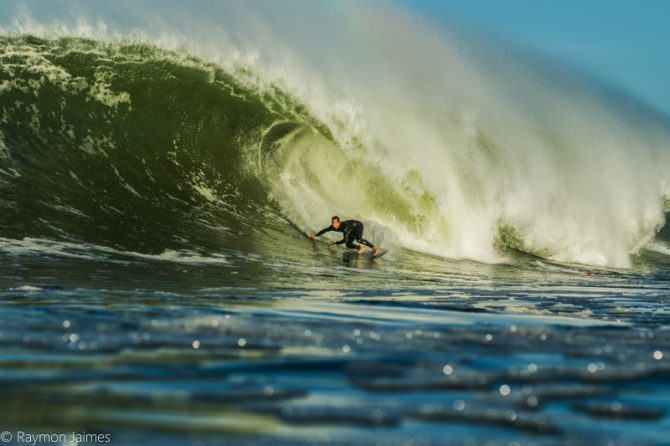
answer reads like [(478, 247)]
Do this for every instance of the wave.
[(130, 145)]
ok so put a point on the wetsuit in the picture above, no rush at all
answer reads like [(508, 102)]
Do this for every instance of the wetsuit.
[(353, 230)]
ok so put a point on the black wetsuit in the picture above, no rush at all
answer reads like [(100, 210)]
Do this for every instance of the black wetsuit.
[(353, 230)]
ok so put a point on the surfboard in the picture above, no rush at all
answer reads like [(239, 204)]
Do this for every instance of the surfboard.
[(372, 256)]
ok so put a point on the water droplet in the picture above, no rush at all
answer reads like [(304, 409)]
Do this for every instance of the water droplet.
[(658, 355), (346, 348), (459, 405), (505, 390), (241, 342), (66, 324), (447, 369), (196, 344), (592, 367)]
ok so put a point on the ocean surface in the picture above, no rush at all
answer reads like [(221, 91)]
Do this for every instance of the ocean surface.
[(157, 285)]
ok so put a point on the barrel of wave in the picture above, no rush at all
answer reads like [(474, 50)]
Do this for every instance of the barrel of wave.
[(313, 178)]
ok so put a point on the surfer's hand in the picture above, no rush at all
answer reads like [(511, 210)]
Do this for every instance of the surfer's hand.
[(331, 245), (311, 237)]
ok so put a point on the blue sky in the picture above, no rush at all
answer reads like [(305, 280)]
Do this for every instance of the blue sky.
[(626, 43)]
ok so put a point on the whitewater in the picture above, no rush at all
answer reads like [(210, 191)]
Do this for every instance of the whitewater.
[(161, 167)]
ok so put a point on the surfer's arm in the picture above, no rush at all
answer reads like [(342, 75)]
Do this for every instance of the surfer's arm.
[(331, 244), (323, 231)]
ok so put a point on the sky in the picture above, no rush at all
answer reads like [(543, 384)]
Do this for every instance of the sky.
[(625, 43)]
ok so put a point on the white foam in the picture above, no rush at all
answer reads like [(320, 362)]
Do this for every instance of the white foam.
[(38, 247), (182, 256), (26, 288), (4, 151), (86, 251)]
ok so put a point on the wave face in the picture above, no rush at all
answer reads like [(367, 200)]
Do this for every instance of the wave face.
[(129, 145), (437, 147)]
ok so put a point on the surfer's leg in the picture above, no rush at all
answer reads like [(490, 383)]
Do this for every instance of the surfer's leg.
[(365, 242), (350, 237), (358, 234)]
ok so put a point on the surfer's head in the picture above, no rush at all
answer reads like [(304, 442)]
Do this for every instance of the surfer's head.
[(336, 222)]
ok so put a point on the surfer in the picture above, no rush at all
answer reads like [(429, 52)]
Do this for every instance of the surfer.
[(352, 230)]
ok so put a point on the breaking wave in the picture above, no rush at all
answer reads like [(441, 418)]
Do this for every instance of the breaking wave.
[(462, 154)]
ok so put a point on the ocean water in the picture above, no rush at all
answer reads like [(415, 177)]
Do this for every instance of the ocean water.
[(157, 285)]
